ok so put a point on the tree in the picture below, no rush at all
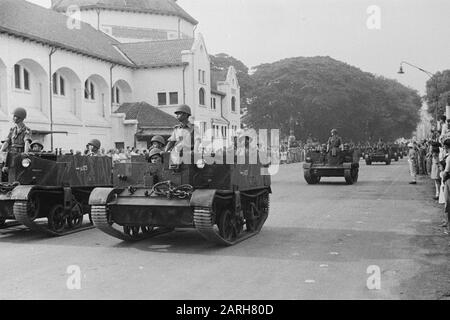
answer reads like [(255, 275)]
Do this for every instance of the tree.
[(438, 89), (321, 93)]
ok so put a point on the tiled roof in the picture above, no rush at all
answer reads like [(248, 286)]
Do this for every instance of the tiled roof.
[(147, 115), (156, 53), (168, 7), (138, 33), (30, 21), (216, 76)]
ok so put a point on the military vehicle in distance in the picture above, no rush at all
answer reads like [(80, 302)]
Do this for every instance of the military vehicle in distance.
[(395, 152), (49, 192), (226, 203), (320, 164), (378, 155)]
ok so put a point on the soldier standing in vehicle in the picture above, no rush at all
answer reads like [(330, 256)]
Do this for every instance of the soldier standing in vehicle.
[(184, 132), (94, 148), (19, 137), (334, 143)]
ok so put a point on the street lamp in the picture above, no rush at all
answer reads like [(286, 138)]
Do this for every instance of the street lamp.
[(428, 73)]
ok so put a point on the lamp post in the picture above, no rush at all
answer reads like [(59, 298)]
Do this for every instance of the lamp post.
[(428, 73)]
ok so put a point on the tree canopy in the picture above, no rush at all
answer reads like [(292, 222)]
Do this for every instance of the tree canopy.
[(319, 93), (438, 89)]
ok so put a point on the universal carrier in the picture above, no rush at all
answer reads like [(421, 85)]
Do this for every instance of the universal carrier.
[(49, 192), (320, 164), (226, 203)]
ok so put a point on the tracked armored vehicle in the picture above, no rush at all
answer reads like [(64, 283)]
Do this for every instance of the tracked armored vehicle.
[(49, 192), (322, 164), (226, 203), (378, 155), (395, 152)]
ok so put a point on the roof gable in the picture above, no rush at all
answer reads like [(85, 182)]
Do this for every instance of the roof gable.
[(27, 20), (216, 76), (156, 53), (147, 115), (168, 7)]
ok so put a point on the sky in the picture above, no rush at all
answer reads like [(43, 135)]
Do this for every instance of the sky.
[(374, 35)]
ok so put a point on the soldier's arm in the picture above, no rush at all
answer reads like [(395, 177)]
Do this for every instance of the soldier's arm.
[(7, 141), (170, 146), (4, 146)]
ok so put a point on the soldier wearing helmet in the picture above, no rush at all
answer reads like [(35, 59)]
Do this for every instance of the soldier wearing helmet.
[(155, 156), (19, 137), (94, 148), (157, 142), (334, 143), (36, 146), (185, 135)]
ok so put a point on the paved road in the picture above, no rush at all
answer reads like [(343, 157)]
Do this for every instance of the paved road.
[(317, 244)]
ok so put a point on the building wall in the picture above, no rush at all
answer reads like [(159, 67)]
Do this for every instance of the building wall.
[(84, 119), (231, 87), (149, 82), (139, 22), (198, 59), (81, 118)]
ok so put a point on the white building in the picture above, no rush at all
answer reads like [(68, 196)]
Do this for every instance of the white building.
[(146, 55)]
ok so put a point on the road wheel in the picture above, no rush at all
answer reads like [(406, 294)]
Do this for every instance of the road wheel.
[(57, 218), (308, 177), (258, 213), (348, 176), (75, 220), (33, 207), (355, 173), (229, 226)]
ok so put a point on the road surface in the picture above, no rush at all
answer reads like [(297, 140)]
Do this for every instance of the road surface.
[(325, 241)]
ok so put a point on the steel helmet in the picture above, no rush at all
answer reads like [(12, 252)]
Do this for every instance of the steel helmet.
[(154, 152), (95, 143), (410, 145), (20, 113), (334, 131), (159, 139), (184, 108), (38, 143)]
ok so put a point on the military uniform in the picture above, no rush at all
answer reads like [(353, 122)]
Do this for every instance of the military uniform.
[(95, 152), (185, 136), (17, 137), (334, 142)]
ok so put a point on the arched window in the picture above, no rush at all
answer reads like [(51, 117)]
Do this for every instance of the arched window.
[(59, 85), (89, 90), (201, 96), (233, 104), (21, 77), (116, 95)]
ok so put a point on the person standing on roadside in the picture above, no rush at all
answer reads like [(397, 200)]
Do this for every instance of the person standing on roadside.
[(412, 160)]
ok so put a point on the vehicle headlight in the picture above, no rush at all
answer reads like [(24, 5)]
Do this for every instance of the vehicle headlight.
[(26, 162), (201, 163)]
